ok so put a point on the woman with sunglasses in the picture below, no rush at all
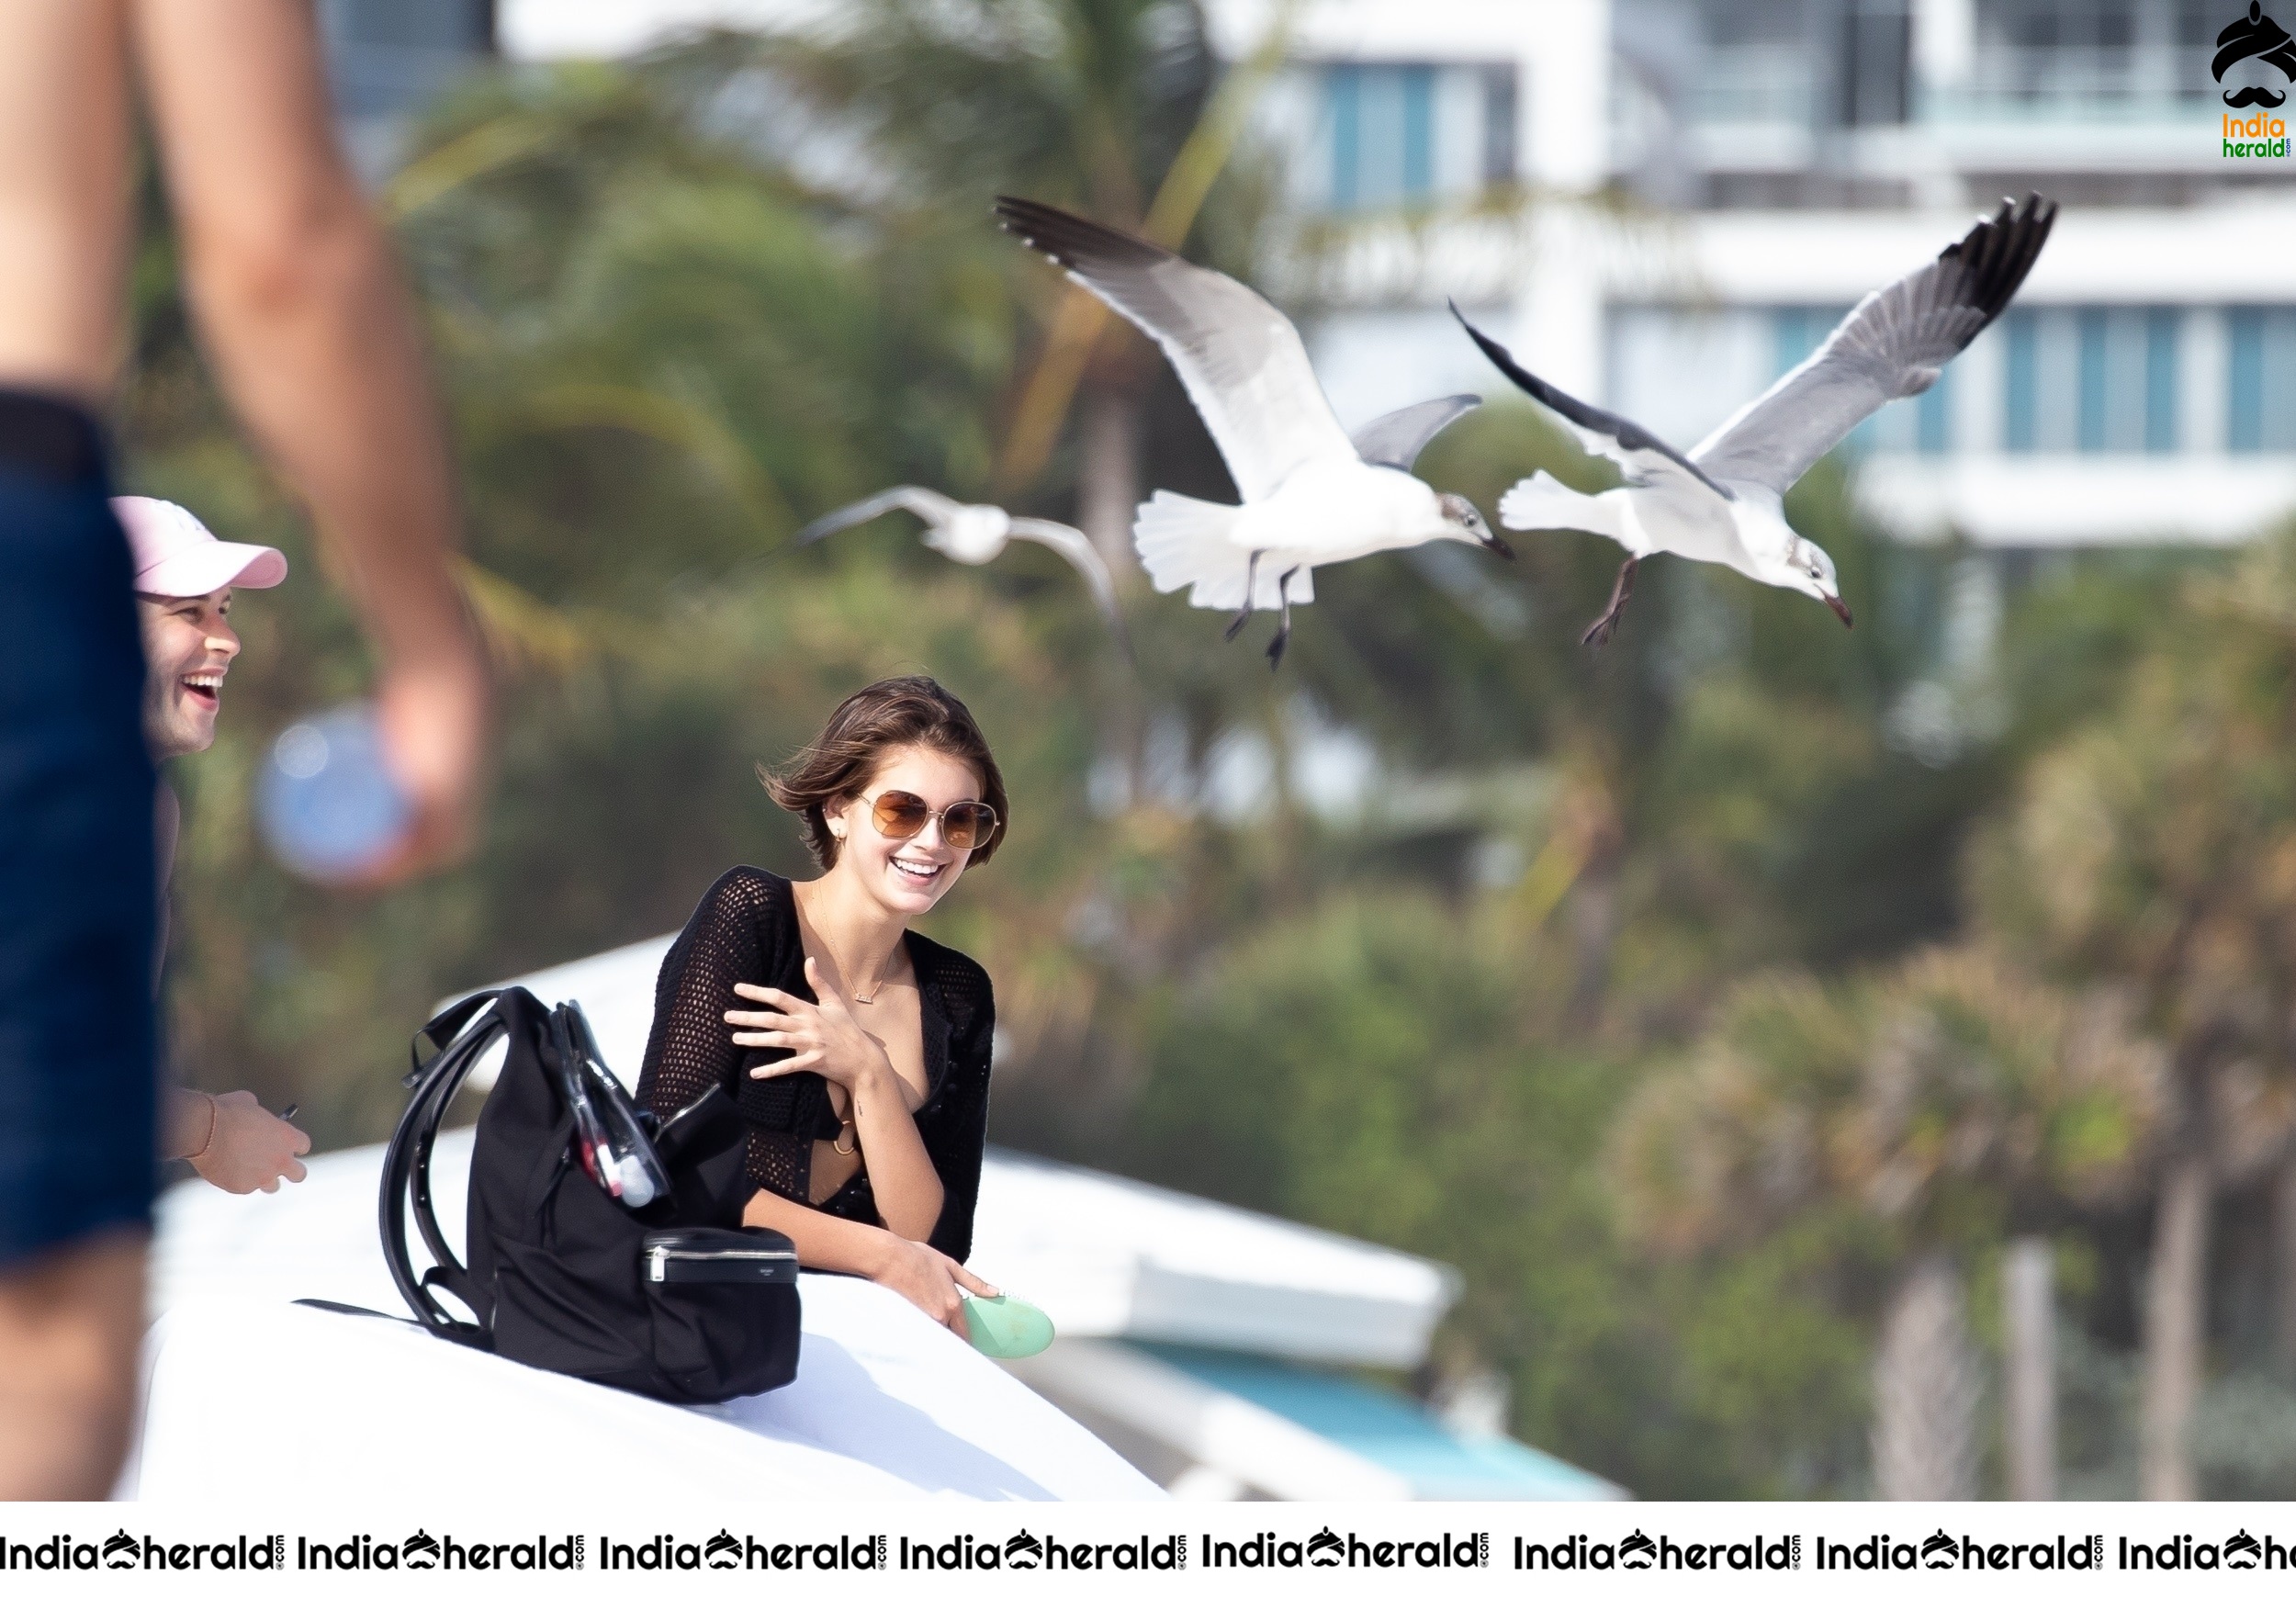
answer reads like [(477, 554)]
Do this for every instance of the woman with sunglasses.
[(856, 1049)]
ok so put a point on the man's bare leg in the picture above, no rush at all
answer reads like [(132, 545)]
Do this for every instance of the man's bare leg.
[(71, 1323)]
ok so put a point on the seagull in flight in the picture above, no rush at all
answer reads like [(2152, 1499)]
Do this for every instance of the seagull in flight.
[(977, 534), (1720, 503), (1312, 496)]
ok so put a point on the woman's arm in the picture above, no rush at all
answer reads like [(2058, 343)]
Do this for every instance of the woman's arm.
[(921, 1274), (825, 1039), (689, 1049)]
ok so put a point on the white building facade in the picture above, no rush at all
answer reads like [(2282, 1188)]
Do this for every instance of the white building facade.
[(1698, 189)]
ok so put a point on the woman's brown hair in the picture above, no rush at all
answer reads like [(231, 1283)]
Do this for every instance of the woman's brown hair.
[(896, 714)]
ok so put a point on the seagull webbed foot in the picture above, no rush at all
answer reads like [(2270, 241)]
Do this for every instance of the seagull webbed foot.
[(1595, 636)]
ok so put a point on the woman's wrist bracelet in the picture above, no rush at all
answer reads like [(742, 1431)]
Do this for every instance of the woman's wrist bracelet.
[(215, 1113)]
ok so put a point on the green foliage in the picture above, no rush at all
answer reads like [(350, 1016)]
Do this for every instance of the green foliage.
[(1385, 1066), (1939, 1100)]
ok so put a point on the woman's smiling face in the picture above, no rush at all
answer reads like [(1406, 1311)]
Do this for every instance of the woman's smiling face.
[(907, 876)]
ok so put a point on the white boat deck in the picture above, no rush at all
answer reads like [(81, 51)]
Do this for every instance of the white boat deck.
[(251, 1398)]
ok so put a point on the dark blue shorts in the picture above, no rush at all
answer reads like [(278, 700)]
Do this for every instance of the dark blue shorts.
[(78, 1089)]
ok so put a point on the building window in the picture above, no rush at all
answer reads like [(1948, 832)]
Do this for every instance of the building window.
[(2260, 409), (1876, 53), (1919, 428), (1382, 135), (1500, 164), (2020, 403), (2161, 327), (2095, 380)]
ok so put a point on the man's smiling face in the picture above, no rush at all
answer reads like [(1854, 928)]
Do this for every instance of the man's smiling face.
[(188, 645)]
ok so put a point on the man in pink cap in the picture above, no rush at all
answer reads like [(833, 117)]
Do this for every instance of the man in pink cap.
[(184, 578)]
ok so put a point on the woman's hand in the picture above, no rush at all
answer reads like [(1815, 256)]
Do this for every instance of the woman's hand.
[(929, 1279), (823, 1038)]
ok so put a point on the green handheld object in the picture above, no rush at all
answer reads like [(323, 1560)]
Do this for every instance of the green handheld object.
[(1006, 1327)]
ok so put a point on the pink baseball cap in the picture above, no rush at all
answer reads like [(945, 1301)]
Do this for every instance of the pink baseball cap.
[(177, 557)]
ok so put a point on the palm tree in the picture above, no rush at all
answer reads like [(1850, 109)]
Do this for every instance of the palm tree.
[(1104, 106), (1943, 1105), (2156, 848)]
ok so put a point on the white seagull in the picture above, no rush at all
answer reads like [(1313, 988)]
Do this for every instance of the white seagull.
[(1311, 495), (1720, 503), (977, 534)]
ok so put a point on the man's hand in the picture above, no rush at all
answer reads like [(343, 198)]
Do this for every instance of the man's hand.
[(433, 722), (250, 1147)]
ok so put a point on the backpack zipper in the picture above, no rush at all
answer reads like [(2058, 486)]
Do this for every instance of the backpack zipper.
[(658, 1256)]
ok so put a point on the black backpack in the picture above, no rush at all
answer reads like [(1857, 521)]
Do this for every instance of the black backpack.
[(672, 1300)]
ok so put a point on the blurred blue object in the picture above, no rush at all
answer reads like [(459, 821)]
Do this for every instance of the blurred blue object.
[(1389, 1431), (328, 805)]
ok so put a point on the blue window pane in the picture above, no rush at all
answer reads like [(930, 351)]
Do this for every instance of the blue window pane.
[(2090, 427), (1799, 329), (2277, 378), (1344, 86), (1418, 87), (1929, 415), (2019, 405), (1786, 339), (1383, 134), (2243, 419), (2160, 380)]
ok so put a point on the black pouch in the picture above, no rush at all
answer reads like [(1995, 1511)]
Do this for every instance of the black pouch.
[(721, 1301)]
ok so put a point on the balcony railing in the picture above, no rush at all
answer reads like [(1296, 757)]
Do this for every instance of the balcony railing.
[(1757, 84), (2012, 80), (1778, 85)]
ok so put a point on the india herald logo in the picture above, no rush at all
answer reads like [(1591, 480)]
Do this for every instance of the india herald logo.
[(2258, 38)]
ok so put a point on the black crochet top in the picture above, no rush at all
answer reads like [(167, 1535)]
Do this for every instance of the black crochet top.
[(745, 930)]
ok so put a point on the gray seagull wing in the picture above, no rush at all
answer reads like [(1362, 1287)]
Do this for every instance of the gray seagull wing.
[(1239, 359), (1396, 439), (1892, 346), (1077, 550), (933, 509), (1648, 459)]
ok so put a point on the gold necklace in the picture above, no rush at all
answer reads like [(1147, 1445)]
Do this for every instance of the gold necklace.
[(859, 998)]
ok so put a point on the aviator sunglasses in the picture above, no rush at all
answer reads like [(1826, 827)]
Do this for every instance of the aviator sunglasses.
[(967, 824)]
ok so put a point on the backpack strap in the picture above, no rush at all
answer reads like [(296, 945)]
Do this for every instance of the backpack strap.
[(461, 1035), (442, 1027)]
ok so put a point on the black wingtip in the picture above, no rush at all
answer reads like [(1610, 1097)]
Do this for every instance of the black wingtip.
[(1998, 251), (1499, 355), (1070, 240)]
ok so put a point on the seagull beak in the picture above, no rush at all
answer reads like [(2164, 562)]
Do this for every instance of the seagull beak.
[(1834, 604), (1499, 546)]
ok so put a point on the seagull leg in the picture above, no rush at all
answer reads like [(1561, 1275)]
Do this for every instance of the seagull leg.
[(1595, 636), (1283, 627), (1251, 581)]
